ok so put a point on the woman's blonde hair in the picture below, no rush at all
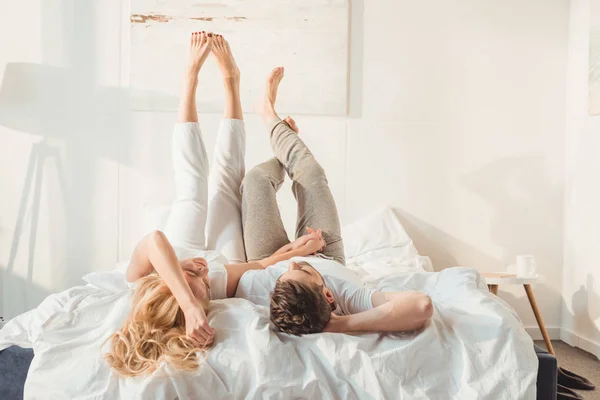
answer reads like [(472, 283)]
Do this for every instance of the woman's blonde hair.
[(154, 332)]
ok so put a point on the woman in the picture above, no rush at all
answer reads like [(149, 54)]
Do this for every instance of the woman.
[(168, 319)]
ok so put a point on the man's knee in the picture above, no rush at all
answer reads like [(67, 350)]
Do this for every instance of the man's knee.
[(257, 177)]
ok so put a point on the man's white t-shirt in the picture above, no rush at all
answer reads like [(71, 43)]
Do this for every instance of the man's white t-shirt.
[(350, 294)]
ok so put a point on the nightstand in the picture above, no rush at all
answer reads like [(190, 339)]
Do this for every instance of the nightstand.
[(494, 280)]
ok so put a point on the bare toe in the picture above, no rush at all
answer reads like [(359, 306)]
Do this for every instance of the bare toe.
[(199, 50), (224, 58), (271, 90)]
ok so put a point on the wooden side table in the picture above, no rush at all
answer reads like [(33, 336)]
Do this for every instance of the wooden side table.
[(494, 280)]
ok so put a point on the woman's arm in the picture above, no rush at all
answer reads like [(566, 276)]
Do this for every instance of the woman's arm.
[(235, 271), (301, 241), (404, 311), (154, 252)]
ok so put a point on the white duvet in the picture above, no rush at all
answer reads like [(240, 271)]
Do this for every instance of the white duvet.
[(474, 348)]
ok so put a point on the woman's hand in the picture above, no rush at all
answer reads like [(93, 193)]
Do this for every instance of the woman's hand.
[(193, 265), (312, 246), (196, 325), (311, 235)]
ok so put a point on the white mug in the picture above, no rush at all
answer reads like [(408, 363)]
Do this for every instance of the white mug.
[(526, 266)]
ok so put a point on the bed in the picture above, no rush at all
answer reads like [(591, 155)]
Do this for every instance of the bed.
[(475, 346)]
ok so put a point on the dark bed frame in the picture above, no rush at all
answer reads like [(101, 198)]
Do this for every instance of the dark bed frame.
[(15, 361)]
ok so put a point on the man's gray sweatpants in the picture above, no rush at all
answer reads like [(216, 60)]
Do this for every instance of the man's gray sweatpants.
[(264, 233)]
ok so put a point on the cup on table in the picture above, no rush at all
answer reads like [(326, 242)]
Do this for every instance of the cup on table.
[(526, 266)]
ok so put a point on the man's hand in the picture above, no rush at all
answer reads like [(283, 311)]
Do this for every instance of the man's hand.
[(335, 324), (311, 247), (196, 325), (311, 235)]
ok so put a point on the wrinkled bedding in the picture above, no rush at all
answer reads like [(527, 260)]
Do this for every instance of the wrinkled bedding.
[(474, 348)]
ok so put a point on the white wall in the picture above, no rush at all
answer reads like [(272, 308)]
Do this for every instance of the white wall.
[(581, 274), (456, 117)]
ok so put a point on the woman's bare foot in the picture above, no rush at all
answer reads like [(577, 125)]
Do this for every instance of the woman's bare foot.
[(290, 121), (224, 56), (200, 46), (268, 107), (231, 77)]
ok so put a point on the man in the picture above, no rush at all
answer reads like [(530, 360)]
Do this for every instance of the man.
[(316, 293)]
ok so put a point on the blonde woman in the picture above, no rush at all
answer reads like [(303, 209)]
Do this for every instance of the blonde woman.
[(200, 256)]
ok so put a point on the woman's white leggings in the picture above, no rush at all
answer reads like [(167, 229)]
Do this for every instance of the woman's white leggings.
[(206, 213)]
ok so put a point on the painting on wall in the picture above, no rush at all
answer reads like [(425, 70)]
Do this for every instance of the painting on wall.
[(309, 38), (594, 73)]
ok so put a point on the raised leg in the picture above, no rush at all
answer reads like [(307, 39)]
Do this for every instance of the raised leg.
[(264, 233), (224, 225), (538, 317), (185, 226), (316, 205)]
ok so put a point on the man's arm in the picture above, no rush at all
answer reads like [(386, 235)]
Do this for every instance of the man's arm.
[(235, 271), (392, 312)]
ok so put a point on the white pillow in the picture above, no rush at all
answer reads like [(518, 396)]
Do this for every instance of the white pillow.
[(378, 235)]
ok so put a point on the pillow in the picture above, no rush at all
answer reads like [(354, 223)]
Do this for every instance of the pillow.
[(373, 269), (378, 235)]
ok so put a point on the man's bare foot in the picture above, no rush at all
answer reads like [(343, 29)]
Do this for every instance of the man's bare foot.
[(200, 46), (290, 121), (267, 110), (224, 56)]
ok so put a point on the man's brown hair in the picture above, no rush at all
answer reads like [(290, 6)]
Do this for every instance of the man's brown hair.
[(298, 308)]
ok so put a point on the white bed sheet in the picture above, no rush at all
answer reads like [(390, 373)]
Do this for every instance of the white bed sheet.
[(474, 348)]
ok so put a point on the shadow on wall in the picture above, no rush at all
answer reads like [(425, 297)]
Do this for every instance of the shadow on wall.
[(49, 102), (527, 210), (526, 206), (580, 301), (43, 101), (439, 245), (584, 318), (80, 125)]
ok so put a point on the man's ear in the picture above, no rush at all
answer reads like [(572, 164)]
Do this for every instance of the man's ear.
[(328, 295)]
